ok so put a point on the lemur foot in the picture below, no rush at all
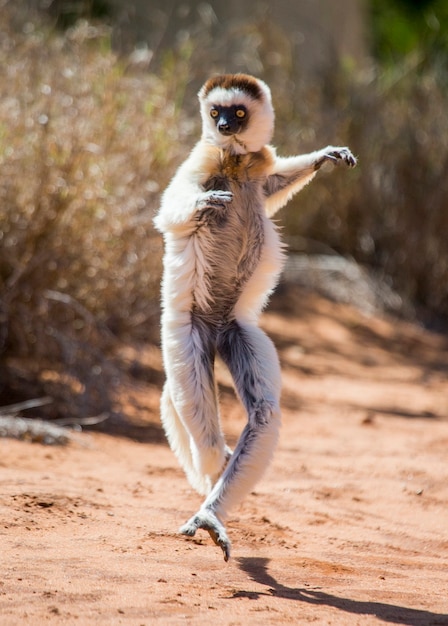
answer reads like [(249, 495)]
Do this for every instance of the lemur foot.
[(336, 155), (209, 522)]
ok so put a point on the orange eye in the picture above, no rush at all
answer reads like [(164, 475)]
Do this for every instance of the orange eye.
[(240, 113), (214, 113)]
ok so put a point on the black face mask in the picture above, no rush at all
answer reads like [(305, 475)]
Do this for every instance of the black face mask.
[(229, 120)]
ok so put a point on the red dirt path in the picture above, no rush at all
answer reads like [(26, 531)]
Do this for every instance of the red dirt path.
[(348, 526)]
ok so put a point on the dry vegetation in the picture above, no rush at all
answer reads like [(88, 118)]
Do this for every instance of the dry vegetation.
[(87, 142), (391, 214)]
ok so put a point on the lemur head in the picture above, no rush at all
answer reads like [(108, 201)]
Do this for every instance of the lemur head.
[(237, 112)]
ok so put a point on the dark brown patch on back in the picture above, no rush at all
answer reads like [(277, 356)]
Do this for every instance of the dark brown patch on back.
[(244, 82)]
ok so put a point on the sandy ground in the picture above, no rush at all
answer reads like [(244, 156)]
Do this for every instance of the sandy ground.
[(348, 526)]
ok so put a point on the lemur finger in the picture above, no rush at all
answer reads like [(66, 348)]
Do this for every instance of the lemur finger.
[(223, 196), (212, 201), (217, 197), (348, 157), (328, 156), (351, 160), (342, 154)]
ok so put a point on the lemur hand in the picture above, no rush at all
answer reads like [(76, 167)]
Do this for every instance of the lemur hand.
[(211, 204), (335, 155), (214, 199)]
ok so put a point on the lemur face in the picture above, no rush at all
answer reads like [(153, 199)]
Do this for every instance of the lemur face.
[(229, 120), (237, 112)]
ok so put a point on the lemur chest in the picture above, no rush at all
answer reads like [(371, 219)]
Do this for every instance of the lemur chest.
[(243, 175), (238, 224), (231, 238), (237, 168)]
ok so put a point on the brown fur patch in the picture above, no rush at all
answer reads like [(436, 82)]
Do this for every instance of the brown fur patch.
[(237, 167), (243, 82)]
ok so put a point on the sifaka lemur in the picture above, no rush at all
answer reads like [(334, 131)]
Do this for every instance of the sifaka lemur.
[(223, 256)]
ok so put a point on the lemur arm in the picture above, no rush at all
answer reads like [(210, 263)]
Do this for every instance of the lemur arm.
[(184, 201), (291, 174), (179, 204)]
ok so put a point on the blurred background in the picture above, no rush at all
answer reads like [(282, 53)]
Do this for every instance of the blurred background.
[(98, 107)]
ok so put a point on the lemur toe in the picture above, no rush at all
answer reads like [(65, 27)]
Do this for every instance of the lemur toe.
[(209, 522), (221, 540)]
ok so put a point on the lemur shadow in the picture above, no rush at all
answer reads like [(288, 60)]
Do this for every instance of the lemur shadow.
[(257, 569)]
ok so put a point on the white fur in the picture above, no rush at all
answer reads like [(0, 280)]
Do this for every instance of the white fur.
[(193, 324), (261, 125), (305, 166)]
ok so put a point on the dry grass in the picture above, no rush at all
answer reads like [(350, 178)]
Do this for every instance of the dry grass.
[(88, 141), (86, 144), (390, 212)]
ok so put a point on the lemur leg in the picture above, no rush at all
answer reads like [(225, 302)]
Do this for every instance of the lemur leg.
[(189, 352), (252, 360)]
